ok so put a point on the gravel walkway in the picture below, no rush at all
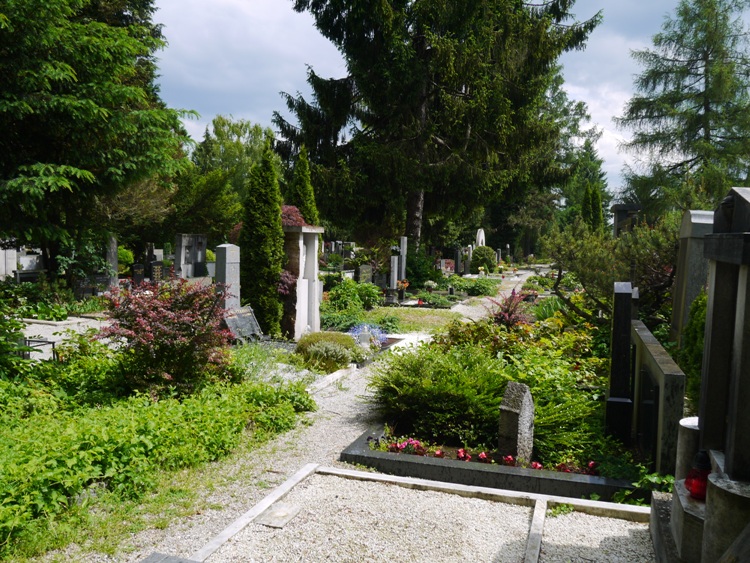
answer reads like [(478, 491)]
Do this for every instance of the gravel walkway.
[(345, 520)]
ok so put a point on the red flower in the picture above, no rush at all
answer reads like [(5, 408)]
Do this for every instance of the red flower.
[(509, 460), (536, 465), (439, 453)]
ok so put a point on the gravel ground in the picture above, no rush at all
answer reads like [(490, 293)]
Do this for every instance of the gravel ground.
[(582, 537), (346, 520)]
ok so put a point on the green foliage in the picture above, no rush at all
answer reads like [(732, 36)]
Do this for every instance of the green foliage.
[(597, 260), (450, 396), (485, 257), (421, 150), (328, 351), (370, 295), (690, 355), (301, 193), (205, 203), (482, 287), (80, 116), (262, 241), (545, 308), (57, 452), (694, 152), (646, 482), (345, 304), (420, 267), (12, 365), (125, 259), (449, 391)]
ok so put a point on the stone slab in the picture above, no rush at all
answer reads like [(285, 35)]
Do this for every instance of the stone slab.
[(278, 515), (161, 558)]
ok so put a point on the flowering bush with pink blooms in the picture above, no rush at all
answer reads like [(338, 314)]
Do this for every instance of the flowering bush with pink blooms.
[(169, 334)]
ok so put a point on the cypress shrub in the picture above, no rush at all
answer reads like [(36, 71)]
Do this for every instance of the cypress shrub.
[(301, 193), (262, 245), (483, 256)]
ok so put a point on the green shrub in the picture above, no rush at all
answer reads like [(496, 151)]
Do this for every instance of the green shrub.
[(327, 357), (545, 308), (451, 396), (12, 365), (328, 351), (690, 357), (482, 287), (485, 257), (125, 259), (370, 295), (420, 267)]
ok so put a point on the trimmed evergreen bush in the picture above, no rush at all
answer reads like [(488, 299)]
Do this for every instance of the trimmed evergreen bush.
[(301, 193), (483, 256), (262, 245)]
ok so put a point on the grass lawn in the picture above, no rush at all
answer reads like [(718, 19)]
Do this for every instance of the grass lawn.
[(414, 319)]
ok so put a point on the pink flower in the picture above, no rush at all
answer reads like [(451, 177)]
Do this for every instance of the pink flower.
[(439, 453), (536, 465), (483, 457), (509, 460), (463, 455)]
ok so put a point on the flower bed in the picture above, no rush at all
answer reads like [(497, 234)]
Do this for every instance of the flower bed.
[(496, 476)]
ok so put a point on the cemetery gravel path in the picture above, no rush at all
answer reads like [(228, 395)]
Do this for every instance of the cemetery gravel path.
[(239, 482)]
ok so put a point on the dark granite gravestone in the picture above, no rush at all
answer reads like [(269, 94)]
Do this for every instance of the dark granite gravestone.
[(364, 273), (157, 271), (139, 273), (243, 324)]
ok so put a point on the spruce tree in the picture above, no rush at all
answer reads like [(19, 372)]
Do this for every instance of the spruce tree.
[(301, 193), (262, 244)]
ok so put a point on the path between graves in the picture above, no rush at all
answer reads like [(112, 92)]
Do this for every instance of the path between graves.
[(352, 520)]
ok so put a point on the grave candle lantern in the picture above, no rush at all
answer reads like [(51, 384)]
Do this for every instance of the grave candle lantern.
[(696, 480)]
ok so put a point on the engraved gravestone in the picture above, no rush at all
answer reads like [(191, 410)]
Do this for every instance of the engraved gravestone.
[(243, 324), (139, 273), (157, 271), (516, 428)]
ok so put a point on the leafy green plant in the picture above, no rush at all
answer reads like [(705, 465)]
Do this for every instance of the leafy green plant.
[(327, 357), (482, 287), (450, 396), (52, 457), (560, 509), (125, 259), (690, 356), (545, 308), (370, 295), (328, 351)]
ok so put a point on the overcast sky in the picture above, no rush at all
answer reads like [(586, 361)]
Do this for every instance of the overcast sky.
[(233, 57)]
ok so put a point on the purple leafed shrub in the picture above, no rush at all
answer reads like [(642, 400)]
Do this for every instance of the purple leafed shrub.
[(169, 334), (511, 310)]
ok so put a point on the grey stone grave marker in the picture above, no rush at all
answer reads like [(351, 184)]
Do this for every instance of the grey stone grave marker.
[(364, 273), (516, 428)]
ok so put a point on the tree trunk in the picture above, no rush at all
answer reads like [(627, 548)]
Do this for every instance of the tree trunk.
[(414, 212)]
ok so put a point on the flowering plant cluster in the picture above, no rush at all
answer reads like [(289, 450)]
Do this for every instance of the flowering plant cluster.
[(589, 469), (408, 446), (402, 284), (376, 335), (430, 284)]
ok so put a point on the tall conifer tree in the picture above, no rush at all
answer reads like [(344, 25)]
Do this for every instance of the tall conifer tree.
[(262, 244), (691, 115)]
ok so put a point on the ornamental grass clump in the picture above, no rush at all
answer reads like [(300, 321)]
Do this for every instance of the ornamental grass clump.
[(169, 335)]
